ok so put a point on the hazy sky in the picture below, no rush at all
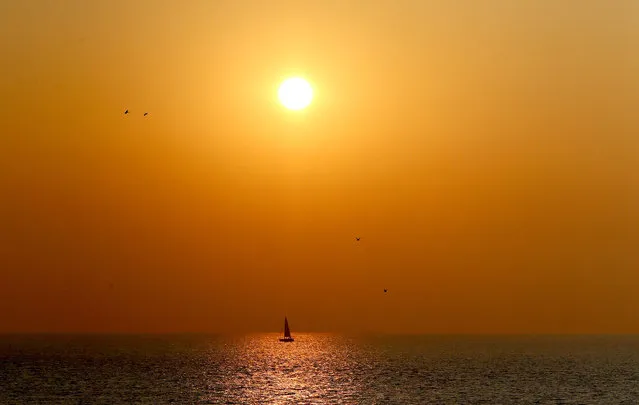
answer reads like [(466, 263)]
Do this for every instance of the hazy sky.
[(487, 153)]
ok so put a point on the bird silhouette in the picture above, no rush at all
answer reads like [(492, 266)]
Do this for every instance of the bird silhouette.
[(385, 290), (126, 111), (146, 113), (357, 238)]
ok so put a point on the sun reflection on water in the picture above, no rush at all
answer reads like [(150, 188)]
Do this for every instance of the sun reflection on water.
[(316, 368)]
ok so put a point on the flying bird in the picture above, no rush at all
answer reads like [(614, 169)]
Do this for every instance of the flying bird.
[(146, 113), (357, 238), (385, 290), (126, 111)]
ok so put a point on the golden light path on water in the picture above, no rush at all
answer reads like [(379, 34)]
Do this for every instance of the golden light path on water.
[(316, 368)]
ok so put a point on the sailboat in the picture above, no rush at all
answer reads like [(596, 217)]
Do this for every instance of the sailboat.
[(287, 332)]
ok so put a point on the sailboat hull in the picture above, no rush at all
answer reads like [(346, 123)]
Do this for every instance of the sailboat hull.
[(287, 339)]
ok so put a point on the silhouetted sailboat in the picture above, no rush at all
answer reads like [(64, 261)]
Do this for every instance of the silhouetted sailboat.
[(287, 332)]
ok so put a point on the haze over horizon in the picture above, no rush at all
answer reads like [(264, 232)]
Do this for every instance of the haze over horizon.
[(487, 154)]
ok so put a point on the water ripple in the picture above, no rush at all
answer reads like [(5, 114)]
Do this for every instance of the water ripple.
[(319, 369)]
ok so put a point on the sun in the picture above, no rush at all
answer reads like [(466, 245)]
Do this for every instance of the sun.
[(295, 93)]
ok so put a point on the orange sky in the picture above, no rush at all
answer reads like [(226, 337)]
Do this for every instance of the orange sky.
[(487, 153)]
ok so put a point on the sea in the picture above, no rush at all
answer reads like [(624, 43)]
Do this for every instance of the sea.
[(318, 369)]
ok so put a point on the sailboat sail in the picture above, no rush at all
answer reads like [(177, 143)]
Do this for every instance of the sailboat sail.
[(287, 331)]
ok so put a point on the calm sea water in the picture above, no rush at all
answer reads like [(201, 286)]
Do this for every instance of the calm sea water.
[(319, 369)]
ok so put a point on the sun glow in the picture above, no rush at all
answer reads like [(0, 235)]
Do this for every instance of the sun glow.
[(295, 93)]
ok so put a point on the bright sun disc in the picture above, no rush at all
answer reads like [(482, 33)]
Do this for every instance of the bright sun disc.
[(295, 93)]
